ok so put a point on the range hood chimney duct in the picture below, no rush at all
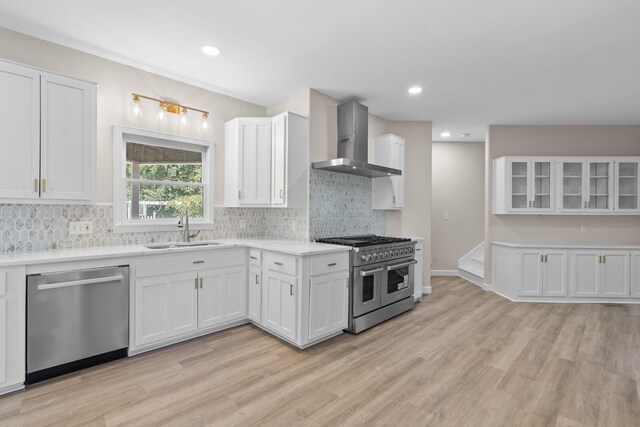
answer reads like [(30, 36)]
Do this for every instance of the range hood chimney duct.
[(353, 151)]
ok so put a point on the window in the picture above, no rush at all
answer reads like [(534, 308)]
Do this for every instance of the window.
[(157, 177)]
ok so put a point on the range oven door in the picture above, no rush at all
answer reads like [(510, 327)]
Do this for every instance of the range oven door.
[(367, 284), (398, 280)]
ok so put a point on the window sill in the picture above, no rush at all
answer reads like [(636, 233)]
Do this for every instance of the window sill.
[(139, 228)]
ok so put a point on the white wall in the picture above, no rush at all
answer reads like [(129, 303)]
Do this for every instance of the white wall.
[(458, 191), (115, 84)]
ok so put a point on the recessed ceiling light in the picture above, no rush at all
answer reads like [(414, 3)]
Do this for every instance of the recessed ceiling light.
[(464, 135), (415, 90), (445, 134), (211, 50)]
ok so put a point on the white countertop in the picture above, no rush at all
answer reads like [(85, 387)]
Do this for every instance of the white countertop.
[(296, 248), (631, 246)]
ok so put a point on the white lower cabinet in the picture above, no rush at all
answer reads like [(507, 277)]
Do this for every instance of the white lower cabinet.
[(304, 298), (279, 303), (328, 304), (255, 294), (168, 307), (417, 291), (634, 261), (571, 273), (13, 316), (221, 296), (542, 273), (602, 274)]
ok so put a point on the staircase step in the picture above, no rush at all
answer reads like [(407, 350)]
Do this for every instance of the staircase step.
[(472, 269)]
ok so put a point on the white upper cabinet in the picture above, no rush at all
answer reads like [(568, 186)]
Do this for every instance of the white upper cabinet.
[(48, 124), (627, 185), (248, 162), (585, 185), (566, 185), (266, 161), (388, 192), (525, 184)]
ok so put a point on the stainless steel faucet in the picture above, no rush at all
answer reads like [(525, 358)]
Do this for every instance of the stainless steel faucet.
[(183, 223)]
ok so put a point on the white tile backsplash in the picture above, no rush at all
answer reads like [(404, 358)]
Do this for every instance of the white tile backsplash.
[(26, 228), (340, 205)]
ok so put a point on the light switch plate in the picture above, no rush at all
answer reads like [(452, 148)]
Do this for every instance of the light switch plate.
[(80, 227)]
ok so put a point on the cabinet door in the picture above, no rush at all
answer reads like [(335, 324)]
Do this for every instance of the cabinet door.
[(555, 274), (571, 174), (613, 276), (254, 181), (542, 185), (627, 185), (165, 306), (417, 291), (584, 274), (279, 160), (599, 186), (635, 274), (68, 139), (328, 304), (20, 132), (397, 182), (255, 294), (279, 304), (529, 273), (221, 296), (518, 173)]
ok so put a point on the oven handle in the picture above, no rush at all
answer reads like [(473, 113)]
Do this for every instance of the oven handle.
[(368, 272), (404, 264)]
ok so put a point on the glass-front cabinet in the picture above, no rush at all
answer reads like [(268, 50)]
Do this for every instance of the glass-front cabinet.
[(585, 185), (530, 184), (627, 184)]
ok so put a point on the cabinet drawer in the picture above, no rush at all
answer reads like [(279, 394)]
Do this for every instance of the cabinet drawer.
[(329, 263), (278, 262), (197, 260), (255, 257)]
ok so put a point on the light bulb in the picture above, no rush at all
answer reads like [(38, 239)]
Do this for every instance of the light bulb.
[(205, 124), (183, 117), (161, 113), (137, 112)]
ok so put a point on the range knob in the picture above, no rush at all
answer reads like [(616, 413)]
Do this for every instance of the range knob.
[(386, 254), (375, 256), (396, 252), (363, 257)]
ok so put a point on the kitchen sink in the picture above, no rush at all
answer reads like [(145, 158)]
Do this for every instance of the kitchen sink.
[(180, 245)]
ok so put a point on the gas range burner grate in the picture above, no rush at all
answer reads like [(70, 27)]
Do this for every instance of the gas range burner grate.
[(361, 241)]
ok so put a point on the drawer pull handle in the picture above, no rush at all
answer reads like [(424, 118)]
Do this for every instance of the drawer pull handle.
[(195, 282), (253, 257), (277, 263), (332, 264), (199, 262), (291, 290), (257, 282), (201, 283)]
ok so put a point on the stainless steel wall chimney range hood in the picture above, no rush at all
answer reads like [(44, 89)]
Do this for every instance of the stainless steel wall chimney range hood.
[(353, 151)]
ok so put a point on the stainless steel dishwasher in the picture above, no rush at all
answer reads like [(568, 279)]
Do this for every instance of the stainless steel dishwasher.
[(76, 319)]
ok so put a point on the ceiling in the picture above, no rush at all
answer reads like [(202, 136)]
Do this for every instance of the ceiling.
[(479, 62)]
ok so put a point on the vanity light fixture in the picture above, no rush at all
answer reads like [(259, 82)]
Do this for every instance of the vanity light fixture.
[(165, 106), (414, 90)]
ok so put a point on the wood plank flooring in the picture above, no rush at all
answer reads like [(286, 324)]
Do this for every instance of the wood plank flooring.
[(462, 357)]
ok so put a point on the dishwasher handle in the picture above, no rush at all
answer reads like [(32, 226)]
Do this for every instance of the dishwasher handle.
[(80, 282)]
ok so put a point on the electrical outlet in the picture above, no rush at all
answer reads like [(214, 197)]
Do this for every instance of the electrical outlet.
[(80, 227), (583, 229), (446, 216)]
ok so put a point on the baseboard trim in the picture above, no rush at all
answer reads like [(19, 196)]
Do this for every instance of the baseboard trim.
[(426, 289), (444, 272)]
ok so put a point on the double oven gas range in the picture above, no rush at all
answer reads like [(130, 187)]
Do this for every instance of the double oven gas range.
[(382, 278)]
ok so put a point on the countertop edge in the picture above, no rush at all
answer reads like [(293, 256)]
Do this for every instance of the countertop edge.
[(516, 245)]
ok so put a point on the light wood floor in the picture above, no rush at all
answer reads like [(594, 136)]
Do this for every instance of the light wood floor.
[(462, 357)]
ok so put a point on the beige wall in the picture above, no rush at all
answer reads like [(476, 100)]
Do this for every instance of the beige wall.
[(297, 103), (559, 141), (116, 82), (457, 190)]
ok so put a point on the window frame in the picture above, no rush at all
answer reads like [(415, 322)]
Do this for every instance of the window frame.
[(122, 135)]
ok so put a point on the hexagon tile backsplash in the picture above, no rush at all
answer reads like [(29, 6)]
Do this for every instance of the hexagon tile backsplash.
[(25, 228)]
